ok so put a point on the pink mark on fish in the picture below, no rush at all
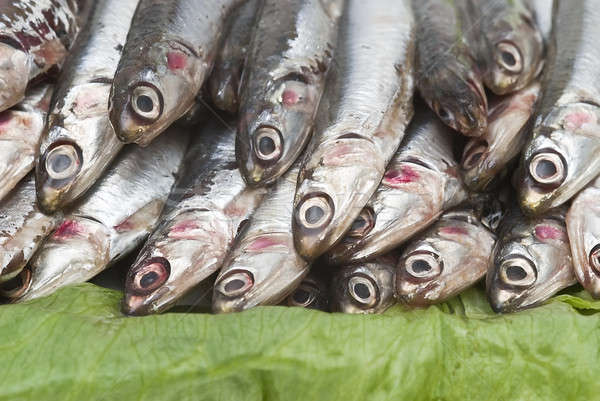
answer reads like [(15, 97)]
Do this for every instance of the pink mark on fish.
[(124, 226), (263, 243), (407, 174), (577, 120), (183, 229), (543, 232), (289, 97), (176, 60), (453, 231), (68, 229), (5, 118)]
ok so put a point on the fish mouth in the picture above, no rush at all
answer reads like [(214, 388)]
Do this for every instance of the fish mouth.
[(15, 66)]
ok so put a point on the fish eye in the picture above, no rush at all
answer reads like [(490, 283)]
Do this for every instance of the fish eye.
[(235, 283), (268, 144), (594, 258), (304, 296), (445, 115), (363, 224), (145, 279), (363, 291), (62, 161), (17, 286), (547, 168), (518, 271), (146, 102), (423, 265), (509, 57), (315, 211), (473, 154)]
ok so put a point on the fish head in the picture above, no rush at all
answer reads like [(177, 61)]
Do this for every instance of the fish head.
[(529, 265), (15, 66), (364, 288), (583, 226), (456, 94), (263, 271), (516, 53), (310, 294), (275, 125), (484, 158), (561, 158), (445, 260), (149, 95), (184, 251)]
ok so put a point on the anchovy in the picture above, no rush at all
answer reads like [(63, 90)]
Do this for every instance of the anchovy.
[(449, 257), (366, 287), (263, 267), (116, 217), (78, 143), (283, 83), (446, 71), (531, 261), (420, 183), (35, 37), (361, 120), (510, 45), (206, 209), (583, 226), (224, 81), (20, 131), (23, 227), (311, 293), (561, 157), (485, 158), (169, 51)]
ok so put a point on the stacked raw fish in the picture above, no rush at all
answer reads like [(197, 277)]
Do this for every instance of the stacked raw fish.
[(340, 155)]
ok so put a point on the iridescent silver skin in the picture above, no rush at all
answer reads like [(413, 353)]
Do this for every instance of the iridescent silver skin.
[(446, 72), (364, 111), (583, 226), (507, 131), (78, 142), (170, 50), (449, 257), (23, 227), (224, 81), (263, 267), (364, 288), (20, 131), (421, 181), (531, 261), (35, 36), (205, 211), (118, 214), (510, 45), (561, 157), (282, 85), (312, 293)]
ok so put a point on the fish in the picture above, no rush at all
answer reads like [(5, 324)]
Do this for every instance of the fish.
[(224, 81), (169, 52), (560, 158), (312, 293), (78, 143), (446, 71), (510, 45), (207, 207), (20, 131), (364, 288), (449, 257), (23, 228), (485, 159), (531, 261), (361, 121), (112, 220), (282, 85), (263, 267), (584, 237), (35, 37), (420, 182)]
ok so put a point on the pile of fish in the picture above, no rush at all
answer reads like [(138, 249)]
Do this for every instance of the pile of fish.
[(342, 155)]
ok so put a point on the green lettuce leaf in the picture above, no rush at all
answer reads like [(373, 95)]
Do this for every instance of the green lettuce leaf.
[(76, 345)]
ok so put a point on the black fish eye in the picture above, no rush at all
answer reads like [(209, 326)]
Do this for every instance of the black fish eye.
[(234, 285), (145, 103), (421, 266), (362, 290)]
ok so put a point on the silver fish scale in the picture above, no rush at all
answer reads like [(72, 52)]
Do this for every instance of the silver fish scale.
[(15, 209)]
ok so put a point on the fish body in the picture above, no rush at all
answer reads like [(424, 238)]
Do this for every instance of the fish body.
[(20, 131), (169, 51), (283, 81), (78, 142), (446, 71), (446, 259), (531, 261), (361, 120), (420, 182), (116, 216), (205, 211), (560, 158), (35, 36)]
